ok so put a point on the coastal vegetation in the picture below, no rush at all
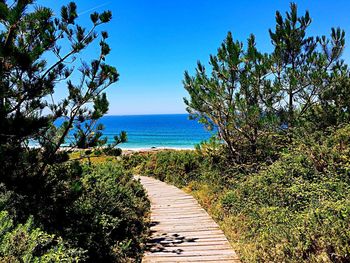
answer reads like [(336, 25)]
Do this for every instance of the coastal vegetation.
[(276, 175), (54, 208), (294, 209), (250, 96)]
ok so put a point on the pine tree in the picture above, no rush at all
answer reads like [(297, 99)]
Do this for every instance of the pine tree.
[(301, 63), (233, 98), (333, 107), (38, 51)]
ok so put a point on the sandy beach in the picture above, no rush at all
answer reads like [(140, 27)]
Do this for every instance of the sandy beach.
[(127, 151)]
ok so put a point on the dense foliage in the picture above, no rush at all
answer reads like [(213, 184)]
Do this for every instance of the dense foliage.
[(26, 243), (108, 217), (249, 96), (232, 90), (53, 209), (100, 216)]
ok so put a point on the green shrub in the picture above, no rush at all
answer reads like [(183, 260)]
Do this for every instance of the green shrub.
[(99, 209), (276, 234), (108, 219), (165, 164), (297, 209), (112, 151), (132, 162), (26, 243)]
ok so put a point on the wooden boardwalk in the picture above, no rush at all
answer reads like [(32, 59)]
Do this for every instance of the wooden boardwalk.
[(182, 231)]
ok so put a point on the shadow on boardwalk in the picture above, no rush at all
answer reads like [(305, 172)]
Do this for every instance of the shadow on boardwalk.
[(167, 243), (182, 231)]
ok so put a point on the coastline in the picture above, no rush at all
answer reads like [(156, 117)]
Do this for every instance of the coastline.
[(126, 151), (132, 150)]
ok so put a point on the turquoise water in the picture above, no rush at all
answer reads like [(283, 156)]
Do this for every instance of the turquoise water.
[(146, 131)]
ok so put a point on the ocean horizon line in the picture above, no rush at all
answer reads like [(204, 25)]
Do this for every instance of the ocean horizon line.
[(151, 114)]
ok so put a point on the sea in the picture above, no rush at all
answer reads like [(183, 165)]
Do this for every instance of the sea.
[(147, 131), (159, 131)]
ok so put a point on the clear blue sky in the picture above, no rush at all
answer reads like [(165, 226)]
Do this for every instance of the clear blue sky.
[(154, 42)]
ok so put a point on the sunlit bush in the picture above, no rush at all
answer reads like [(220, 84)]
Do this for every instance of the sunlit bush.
[(108, 219), (26, 243)]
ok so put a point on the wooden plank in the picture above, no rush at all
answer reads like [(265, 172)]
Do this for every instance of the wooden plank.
[(178, 241), (181, 230), (195, 247), (187, 228), (191, 253), (215, 258)]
